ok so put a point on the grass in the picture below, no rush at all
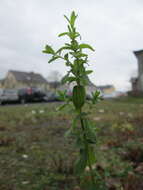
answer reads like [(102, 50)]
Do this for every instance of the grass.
[(34, 154)]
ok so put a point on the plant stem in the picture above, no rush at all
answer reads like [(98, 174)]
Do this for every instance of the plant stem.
[(87, 149)]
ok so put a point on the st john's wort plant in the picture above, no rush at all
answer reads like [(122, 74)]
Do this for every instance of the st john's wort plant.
[(73, 55)]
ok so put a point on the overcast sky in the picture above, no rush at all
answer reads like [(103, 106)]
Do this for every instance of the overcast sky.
[(113, 27)]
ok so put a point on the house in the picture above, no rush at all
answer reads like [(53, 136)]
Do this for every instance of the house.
[(54, 85), (137, 83), (19, 79), (106, 89), (134, 82), (1, 83)]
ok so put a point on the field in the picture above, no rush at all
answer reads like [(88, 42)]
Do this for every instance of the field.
[(35, 155)]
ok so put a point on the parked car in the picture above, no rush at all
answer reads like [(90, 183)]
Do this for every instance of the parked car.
[(8, 95), (31, 95), (51, 96)]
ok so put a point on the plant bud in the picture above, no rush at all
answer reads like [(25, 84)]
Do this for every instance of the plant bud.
[(79, 96)]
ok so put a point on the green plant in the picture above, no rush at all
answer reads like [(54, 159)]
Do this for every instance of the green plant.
[(82, 129)]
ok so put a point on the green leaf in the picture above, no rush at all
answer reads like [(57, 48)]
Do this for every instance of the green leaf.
[(69, 45), (63, 34), (48, 50), (62, 95), (79, 144), (91, 155), (84, 80), (53, 59), (72, 18), (78, 54), (66, 56), (66, 78), (71, 79), (67, 63), (82, 69), (82, 46), (80, 166), (88, 72), (67, 18), (90, 131), (81, 163), (69, 28), (82, 55), (96, 96), (61, 107), (77, 34), (74, 123), (63, 48)]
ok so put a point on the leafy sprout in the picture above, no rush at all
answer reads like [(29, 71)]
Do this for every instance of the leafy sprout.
[(82, 129)]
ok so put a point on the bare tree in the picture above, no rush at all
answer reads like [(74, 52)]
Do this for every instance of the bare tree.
[(54, 79), (54, 76)]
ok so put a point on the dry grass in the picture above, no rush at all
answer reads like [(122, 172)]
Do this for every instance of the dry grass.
[(36, 156)]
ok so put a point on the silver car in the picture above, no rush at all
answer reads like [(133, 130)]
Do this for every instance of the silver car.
[(8, 95)]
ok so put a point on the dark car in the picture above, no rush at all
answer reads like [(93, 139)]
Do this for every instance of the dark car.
[(51, 97), (31, 95)]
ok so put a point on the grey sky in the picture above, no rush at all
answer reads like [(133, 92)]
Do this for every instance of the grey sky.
[(114, 28)]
